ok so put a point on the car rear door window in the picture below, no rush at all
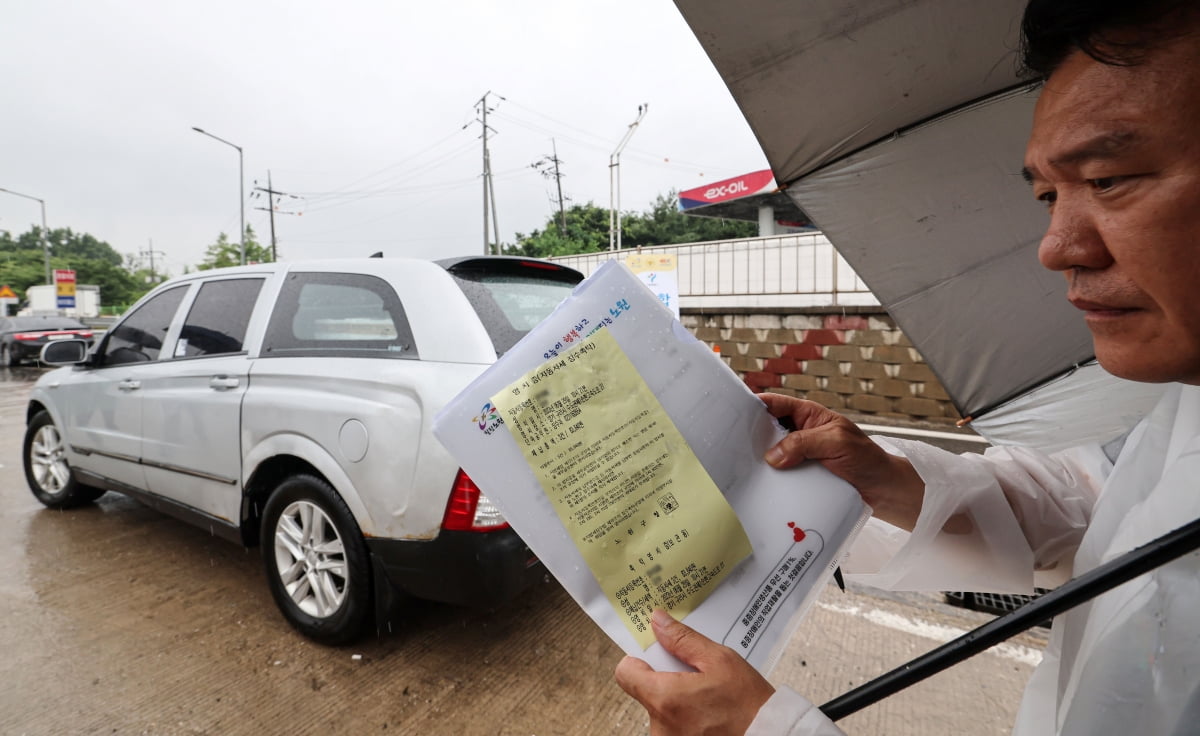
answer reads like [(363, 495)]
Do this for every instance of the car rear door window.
[(338, 314), (139, 337), (216, 323), (512, 296)]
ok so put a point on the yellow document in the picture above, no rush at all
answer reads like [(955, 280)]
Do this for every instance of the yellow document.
[(649, 521)]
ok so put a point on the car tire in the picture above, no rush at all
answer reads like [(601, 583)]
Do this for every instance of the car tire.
[(7, 359), (316, 561), (46, 469)]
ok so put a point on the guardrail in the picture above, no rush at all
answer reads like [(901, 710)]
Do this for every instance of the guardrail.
[(778, 271)]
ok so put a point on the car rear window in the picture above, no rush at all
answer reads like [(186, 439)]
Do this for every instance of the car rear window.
[(338, 314), (511, 296)]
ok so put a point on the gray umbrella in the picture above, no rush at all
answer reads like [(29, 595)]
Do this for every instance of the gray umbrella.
[(899, 126)]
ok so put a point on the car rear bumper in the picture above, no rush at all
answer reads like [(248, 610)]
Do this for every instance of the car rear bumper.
[(25, 351), (31, 350), (478, 569)]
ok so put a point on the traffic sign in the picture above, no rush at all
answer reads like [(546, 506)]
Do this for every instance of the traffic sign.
[(8, 298)]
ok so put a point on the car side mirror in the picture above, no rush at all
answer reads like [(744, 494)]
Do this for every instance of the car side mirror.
[(65, 352)]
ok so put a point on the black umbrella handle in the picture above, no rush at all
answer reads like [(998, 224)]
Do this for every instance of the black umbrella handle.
[(1168, 547)]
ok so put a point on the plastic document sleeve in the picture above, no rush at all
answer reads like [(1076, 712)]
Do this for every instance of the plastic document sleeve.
[(628, 457)]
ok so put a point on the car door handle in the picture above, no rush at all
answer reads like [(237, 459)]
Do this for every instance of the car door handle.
[(222, 383), (129, 385)]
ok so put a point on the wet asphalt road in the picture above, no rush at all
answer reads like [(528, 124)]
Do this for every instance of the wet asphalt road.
[(119, 620)]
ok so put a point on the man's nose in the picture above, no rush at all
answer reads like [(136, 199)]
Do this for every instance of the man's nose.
[(1072, 240)]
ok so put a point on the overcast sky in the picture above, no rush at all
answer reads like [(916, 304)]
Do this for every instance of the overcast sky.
[(358, 107)]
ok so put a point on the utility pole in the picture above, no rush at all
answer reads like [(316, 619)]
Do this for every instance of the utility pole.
[(562, 212), (149, 252), (614, 170), (273, 207), (489, 192), (492, 195), (557, 176)]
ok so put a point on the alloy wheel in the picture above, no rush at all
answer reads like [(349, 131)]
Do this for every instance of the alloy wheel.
[(310, 559), (47, 460)]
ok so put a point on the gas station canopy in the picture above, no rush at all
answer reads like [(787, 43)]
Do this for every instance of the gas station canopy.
[(744, 198)]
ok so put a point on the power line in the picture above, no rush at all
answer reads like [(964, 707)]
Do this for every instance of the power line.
[(401, 162), (335, 199), (603, 142)]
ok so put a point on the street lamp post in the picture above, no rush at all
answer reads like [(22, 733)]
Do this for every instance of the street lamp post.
[(45, 245), (241, 193), (614, 171)]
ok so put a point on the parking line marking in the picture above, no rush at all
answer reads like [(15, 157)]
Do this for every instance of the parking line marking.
[(938, 632)]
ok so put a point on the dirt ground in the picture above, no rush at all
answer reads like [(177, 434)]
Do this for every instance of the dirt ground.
[(119, 620)]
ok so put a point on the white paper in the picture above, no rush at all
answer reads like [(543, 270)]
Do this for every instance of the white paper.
[(756, 607)]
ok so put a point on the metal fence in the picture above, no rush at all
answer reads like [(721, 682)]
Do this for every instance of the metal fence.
[(796, 270)]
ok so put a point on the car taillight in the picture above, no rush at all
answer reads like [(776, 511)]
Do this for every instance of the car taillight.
[(30, 336), (468, 510)]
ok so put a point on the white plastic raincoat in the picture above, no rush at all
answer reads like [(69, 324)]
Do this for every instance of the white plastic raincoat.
[(1126, 662)]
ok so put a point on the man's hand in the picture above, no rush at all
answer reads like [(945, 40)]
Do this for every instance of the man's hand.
[(887, 483), (721, 697)]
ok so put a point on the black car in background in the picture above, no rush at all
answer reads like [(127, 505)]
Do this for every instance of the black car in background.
[(22, 338)]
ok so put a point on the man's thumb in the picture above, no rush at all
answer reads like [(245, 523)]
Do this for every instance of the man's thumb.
[(685, 643)]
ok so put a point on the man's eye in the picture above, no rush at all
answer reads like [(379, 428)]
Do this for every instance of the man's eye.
[(1047, 198), (1104, 183)]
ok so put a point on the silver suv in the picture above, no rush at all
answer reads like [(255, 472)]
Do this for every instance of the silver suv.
[(289, 406)]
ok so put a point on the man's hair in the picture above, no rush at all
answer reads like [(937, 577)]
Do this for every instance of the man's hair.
[(1117, 32)]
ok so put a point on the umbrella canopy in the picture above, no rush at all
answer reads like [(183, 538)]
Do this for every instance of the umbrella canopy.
[(899, 126)]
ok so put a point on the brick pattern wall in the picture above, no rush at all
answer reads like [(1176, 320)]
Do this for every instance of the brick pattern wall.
[(858, 363)]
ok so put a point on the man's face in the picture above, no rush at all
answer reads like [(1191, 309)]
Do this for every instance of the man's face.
[(1115, 154)]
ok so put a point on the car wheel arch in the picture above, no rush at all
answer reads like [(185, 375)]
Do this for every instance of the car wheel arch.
[(48, 472), (296, 451), (264, 480), (36, 407)]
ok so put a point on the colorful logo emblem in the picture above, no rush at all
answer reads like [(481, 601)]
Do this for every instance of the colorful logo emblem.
[(488, 419)]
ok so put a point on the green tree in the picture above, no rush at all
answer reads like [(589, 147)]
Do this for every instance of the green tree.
[(587, 232), (64, 243), (142, 273), (223, 253), (662, 224), (117, 286), (21, 269), (22, 263)]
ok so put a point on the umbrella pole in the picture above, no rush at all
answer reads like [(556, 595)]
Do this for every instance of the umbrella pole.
[(1168, 547)]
